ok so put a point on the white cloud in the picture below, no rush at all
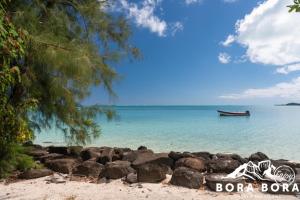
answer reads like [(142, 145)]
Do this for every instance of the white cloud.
[(288, 69), (175, 27), (270, 34), (189, 2), (229, 40), (283, 90), (144, 16), (224, 58)]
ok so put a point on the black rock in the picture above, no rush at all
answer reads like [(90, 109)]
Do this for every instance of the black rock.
[(64, 165), (35, 173), (186, 177), (149, 158), (90, 153), (142, 148), (88, 168), (59, 150), (117, 154), (212, 180), (151, 173), (297, 171), (117, 169), (75, 151), (282, 162), (203, 154), (258, 157), (231, 156), (178, 155), (105, 156), (197, 164), (222, 165), (51, 156), (36, 153), (133, 155)]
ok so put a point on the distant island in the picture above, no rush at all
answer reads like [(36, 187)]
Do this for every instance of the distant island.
[(289, 104)]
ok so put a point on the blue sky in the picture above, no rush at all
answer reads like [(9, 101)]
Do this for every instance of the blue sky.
[(187, 60)]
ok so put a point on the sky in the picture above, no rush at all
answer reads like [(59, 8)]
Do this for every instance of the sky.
[(205, 52)]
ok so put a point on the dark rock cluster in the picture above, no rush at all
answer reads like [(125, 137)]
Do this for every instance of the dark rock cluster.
[(191, 170)]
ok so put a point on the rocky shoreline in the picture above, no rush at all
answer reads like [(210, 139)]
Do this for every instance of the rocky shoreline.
[(188, 169)]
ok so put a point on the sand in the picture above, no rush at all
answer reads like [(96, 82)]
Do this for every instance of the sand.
[(39, 189)]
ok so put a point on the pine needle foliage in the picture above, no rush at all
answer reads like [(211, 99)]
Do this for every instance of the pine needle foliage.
[(295, 7), (71, 46)]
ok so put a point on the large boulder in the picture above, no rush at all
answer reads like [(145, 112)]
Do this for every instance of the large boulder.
[(192, 163), (142, 148), (186, 177), (133, 155), (152, 167), (35, 173), (281, 162), (149, 158), (231, 156), (258, 157), (75, 151), (297, 171), (117, 154), (178, 155), (222, 165), (64, 165), (105, 156), (212, 180), (34, 150), (88, 168), (151, 173), (203, 154), (117, 169), (51, 156), (58, 149), (90, 153), (111, 154), (36, 153)]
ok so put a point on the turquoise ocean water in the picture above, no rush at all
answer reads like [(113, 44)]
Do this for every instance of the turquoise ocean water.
[(274, 130)]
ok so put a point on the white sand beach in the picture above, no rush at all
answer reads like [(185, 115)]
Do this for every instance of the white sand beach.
[(39, 189)]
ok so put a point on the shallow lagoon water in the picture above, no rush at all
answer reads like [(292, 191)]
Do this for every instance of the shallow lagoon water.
[(274, 130)]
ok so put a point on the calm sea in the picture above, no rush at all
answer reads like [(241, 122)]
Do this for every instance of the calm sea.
[(274, 130)]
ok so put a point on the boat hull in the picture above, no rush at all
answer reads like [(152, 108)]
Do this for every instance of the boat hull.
[(233, 114)]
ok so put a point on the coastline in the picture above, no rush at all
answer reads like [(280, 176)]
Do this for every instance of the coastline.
[(272, 130), (75, 172), (116, 190)]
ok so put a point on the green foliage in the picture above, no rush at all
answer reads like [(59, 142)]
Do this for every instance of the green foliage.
[(71, 46), (14, 125), (15, 159), (295, 7), (13, 116)]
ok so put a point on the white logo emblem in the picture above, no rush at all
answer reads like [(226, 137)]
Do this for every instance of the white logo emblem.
[(264, 170)]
